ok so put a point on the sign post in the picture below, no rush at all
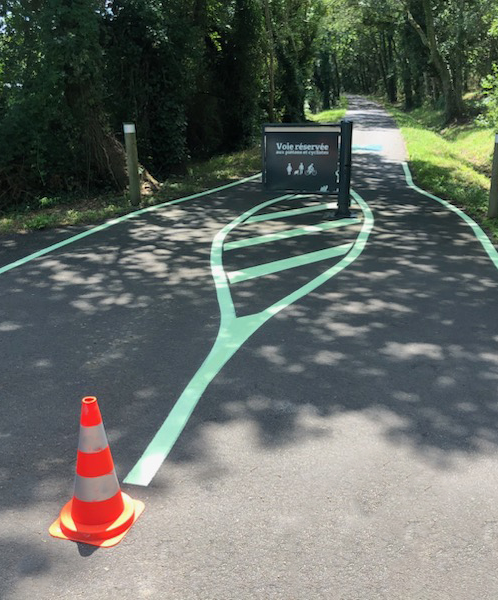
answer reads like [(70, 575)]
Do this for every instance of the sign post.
[(343, 201), (307, 158)]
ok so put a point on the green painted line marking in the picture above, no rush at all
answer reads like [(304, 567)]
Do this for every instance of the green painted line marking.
[(84, 234), (368, 148), (292, 212), (478, 232), (233, 333), (287, 263), (290, 233)]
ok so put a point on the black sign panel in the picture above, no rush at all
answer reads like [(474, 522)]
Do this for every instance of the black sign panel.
[(301, 158)]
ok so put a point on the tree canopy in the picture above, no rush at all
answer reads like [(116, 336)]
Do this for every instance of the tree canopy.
[(200, 76)]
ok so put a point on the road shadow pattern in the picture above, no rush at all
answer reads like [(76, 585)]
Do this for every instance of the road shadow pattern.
[(130, 314)]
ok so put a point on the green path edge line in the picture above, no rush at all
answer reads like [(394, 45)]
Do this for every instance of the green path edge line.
[(478, 231), (118, 220), (233, 333)]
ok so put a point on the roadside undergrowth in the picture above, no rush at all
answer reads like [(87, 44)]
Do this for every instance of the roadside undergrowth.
[(51, 212)]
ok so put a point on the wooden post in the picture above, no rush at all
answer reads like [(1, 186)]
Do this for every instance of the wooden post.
[(132, 162), (493, 192)]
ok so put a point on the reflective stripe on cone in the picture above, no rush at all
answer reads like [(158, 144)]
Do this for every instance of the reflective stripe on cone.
[(92, 439), (96, 489)]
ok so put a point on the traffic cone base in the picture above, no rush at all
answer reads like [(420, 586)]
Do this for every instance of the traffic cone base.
[(103, 535)]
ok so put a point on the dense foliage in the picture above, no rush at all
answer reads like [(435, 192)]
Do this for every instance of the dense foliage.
[(197, 76), (200, 76), (416, 50)]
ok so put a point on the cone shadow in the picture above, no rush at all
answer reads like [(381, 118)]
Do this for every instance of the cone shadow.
[(85, 549)]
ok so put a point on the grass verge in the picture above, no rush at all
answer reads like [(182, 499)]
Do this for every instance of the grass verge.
[(453, 163), (57, 212), (328, 116)]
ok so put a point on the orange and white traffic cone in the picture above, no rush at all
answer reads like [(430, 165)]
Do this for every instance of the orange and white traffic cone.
[(99, 513)]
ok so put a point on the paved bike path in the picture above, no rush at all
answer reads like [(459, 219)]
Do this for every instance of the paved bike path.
[(348, 449)]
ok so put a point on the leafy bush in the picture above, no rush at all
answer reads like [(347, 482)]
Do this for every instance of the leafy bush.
[(490, 88)]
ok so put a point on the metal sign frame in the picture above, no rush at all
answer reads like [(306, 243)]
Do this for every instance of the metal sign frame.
[(328, 144)]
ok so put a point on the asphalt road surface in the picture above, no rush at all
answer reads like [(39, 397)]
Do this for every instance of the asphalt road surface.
[(348, 450)]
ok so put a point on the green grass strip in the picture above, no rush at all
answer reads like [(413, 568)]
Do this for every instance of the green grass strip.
[(453, 162), (478, 232)]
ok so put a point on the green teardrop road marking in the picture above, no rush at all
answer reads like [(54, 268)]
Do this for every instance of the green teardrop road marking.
[(287, 263), (291, 213), (233, 333)]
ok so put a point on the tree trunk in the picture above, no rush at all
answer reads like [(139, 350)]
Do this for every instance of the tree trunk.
[(406, 76), (458, 59), (391, 74), (337, 80), (382, 64), (270, 61), (453, 102)]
